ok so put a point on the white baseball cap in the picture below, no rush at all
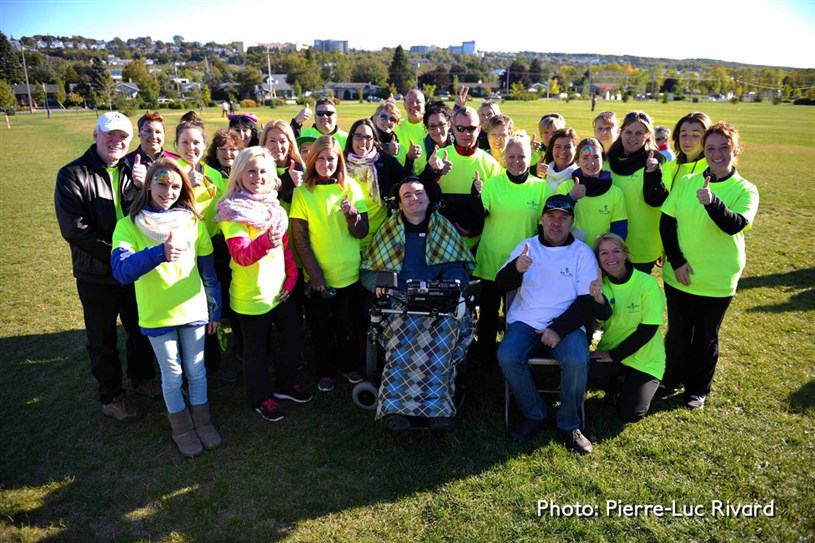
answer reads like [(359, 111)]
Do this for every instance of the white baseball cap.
[(113, 120)]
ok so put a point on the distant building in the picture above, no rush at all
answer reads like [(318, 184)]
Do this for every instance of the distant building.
[(331, 46), (422, 49), (466, 48)]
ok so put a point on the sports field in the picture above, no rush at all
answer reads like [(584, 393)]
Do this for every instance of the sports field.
[(330, 473)]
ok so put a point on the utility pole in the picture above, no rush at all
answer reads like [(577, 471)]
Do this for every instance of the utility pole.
[(27, 87)]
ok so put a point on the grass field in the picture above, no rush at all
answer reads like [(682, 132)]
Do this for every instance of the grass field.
[(330, 473)]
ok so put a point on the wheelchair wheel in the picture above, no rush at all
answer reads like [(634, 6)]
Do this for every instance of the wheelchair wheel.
[(365, 395)]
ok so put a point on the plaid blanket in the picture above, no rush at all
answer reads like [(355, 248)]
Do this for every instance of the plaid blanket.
[(444, 245), (421, 356)]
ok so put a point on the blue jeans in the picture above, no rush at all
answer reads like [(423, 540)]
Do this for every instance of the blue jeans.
[(521, 343), (182, 347)]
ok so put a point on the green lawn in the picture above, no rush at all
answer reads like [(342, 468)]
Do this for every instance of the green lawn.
[(330, 473)]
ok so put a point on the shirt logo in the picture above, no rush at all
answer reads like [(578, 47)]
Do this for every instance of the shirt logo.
[(566, 272), (633, 307), (605, 210)]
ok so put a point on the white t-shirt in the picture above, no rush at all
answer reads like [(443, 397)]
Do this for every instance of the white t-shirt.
[(557, 276)]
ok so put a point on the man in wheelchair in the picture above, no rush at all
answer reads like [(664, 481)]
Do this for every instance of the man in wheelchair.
[(425, 340)]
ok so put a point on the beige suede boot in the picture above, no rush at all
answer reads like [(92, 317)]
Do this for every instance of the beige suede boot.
[(184, 434), (210, 438)]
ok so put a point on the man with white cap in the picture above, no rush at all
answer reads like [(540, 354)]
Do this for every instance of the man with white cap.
[(92, 193)]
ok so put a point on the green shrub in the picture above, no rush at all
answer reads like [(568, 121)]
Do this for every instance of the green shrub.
[(248, 103)]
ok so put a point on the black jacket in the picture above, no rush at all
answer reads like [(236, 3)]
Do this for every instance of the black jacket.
[(83, 200)]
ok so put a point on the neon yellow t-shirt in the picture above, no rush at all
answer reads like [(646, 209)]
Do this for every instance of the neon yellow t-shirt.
[(514, 212), (336, 250), (377, 213), (644, 243), (637, 301), (207, 194), (405, 132), (254, 289), (717, 258), (171, 294), (339, 135), (460, 178), (673, 172), (594, 214)]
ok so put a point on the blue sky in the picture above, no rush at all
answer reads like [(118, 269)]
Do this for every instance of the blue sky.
[(772, 32)]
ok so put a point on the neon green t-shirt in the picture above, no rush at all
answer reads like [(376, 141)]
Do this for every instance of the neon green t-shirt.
[(673, 172), (460, 178), (336, 250), (514, 212), (405, 132), (171, 294), (717, 258), (644, 243), (637, 301), (338, 135), (594, 214), (207, 194), (377, 213), (254, 289), (114, 186)]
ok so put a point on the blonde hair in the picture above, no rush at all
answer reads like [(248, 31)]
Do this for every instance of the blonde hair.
[(519, 138), (240, 165), (614, 239), (283, 126)]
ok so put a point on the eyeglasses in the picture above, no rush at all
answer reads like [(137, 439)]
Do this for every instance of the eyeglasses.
[(362, 137), (388, 118), (439, 126), (560, 205), (324, 113), (227, 150), (469, 129)]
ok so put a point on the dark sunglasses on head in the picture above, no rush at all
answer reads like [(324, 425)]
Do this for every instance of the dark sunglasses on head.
[(560, 205), (551, 116), (469, 129), (324, 113), (637, 116), (388, 118)]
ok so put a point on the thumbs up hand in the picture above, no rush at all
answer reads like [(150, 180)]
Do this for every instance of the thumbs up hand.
[(275, 234), (651, 163), (704, 194), (523, 262), (596, 287), (414, 151), (578, 190), (139, 171), (347, 207), (304, 114), (478, 184), (541, 169), (173, 248), (196, 177)]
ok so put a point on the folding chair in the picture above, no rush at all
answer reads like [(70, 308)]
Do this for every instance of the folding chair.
[(540, 362)]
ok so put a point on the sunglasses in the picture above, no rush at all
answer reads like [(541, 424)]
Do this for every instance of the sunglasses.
[(552, 116), (637, 116), (388, 118), (324, 113), (558, 205), (469, 129)]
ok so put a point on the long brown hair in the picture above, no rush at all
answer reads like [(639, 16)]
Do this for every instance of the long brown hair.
[(186, 199), (693, 117), (321, 144)]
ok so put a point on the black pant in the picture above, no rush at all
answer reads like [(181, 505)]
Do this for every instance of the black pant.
[(335, 331), (212, 348), (489, 302), (257, 345), (692, 340), (101, 304), (633, 395)]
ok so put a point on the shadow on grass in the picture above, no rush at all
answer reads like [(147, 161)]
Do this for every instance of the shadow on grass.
[(803, 280), (74, 475), (803, 400)]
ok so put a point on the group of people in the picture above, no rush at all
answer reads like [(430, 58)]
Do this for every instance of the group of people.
[(286, 224)]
